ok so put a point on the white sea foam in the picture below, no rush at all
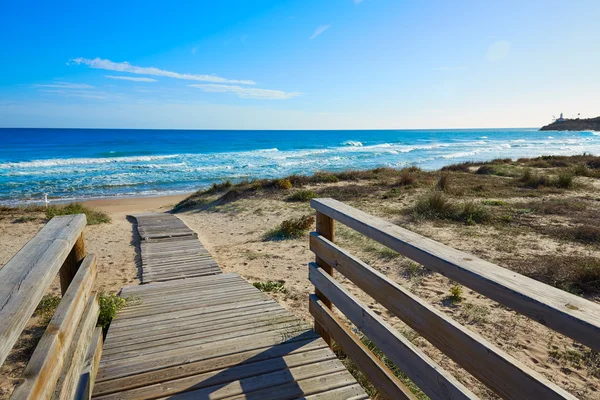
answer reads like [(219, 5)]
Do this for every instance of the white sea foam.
[(352, 143)]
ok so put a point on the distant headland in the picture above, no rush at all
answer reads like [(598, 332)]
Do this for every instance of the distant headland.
[(578, 124)]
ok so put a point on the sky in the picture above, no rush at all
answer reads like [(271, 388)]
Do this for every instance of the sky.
[(310, 64)]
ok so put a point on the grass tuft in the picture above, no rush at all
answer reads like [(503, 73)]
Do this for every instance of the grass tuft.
[(45, 310), (94, 217), (270, 286), (284, 184), (302, 195), (291, 228)]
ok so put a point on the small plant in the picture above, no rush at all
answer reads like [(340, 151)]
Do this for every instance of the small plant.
[(284, 184), (94, 217), (565, 180), (45, 310), (474, 314), (434, 205), (110, 304), (498, 203), (530, 180), (486, 170), (325, 177), (473, 213), (302, 195), (581, 170), (270, 286), (443, 183), (406, 178), (291, 228), (456, 294)]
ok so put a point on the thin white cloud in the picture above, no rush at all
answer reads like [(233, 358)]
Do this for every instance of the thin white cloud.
[(65, 85), (130, 78), (357, 1), (319, 30), (247, 93), (498, 50), (109, 65)]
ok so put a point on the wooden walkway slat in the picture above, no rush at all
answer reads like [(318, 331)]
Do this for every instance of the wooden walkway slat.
[(210, 336), (171, 250)]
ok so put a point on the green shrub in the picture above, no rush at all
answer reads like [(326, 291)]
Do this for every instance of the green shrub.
[(291, 228), (270, 286), (110, 304), (24, 218), (302, 195), (533, 181), (284, 184), (325, 177), (45, 310), (461, 167), (94, 217), (434, 205), (456, 294), (486, 170), (565, 180), (581, 170), (473, 213)]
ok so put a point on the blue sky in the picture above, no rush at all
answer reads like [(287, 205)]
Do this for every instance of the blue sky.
[(329, 64)]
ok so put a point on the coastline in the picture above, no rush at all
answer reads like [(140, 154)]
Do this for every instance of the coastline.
[(118, 207)]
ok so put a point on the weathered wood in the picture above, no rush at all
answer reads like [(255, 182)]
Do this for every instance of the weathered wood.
[(71, 264), (90, 367), (491, 365), (25, 278), (369, 364), (563, 312), (71, 370), (42, 371), (325, 226), (424, 372)]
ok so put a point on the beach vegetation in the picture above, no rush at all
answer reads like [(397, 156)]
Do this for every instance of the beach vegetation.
[(270, 286), (291, 228), (565, 180), (460, 167), (443, 182), (302, 195), (474, 314), (283, 183), (406, 178), (25, 218), (46, 308), (94, 217), (110, 305), (456, 294)]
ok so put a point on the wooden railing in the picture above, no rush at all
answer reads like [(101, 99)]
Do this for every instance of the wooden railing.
[(563, 312), (64, 362)]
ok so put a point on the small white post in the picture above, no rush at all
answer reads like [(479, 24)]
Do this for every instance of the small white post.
[(46, 201)]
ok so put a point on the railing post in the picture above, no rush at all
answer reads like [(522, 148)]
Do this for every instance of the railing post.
[(71, 264), (325, 228)]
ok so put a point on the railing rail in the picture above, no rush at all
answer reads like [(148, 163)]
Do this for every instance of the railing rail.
[(71, 341), (561, 311)]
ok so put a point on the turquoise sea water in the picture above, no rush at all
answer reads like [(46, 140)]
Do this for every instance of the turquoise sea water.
[(71, 164)]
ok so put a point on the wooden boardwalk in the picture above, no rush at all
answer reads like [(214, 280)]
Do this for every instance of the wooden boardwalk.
[(211, 337), (170, 250)]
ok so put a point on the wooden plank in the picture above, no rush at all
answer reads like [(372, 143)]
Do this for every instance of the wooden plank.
[(27, 275), (42, 371), (75, 357), (180, 356), (87, 377), (269, 382), (71, 265), (371, 366), (563, 312), (215, 377), (207, 365), (352, 392), (423, 371), (325, 226), (491, 365)]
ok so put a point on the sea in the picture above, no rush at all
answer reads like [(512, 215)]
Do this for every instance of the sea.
[(79, 164)]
